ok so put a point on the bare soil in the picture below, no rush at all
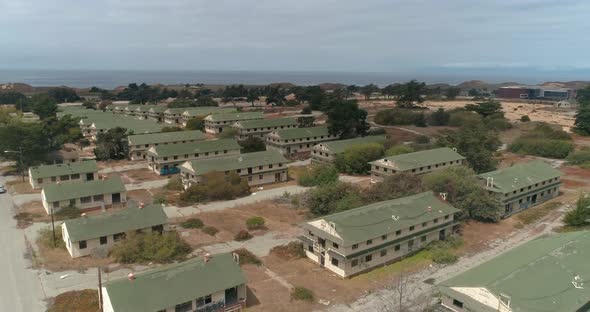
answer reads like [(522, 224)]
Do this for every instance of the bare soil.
[(140, 196), (20, 187), (75, 301), (140, 175), (58, 259)]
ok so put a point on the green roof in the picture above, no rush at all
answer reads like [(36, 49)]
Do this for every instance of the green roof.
[(175, 110), (338, 147), (207, 110), (536, 276), (158, 109), (113, 222), (371, 221), (263, 123), (235, 116), (132, 124), (520, 175), (47, 171), (146, 108), (419, 159), (173, 284), (65, 191), (195, 147), (300, 133), (163, 137), (248, 160)]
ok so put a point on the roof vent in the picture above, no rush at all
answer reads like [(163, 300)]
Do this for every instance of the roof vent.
[(443, 196), (429, 209), (207, 257), (577, 282), (394, 217), (240, 159), (83, 214), (131, 276), (236, 257), (141, 205)]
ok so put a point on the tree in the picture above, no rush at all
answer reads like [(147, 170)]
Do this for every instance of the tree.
[(63, 95), (216, 186), (452, 93), (228, 133), (43, 105), (196, 123), (60, 131), (398, 150), (306, 110), (346, 119), (368, 90), (306, 121), (580, 215), (112, 144), (328, 198), (355, 159), (11, 97), (252, 96), (439, 118), (252, 144), (392, 187), (486, 108), (582, 121), (318, 174), (410, 93), (28, 138)]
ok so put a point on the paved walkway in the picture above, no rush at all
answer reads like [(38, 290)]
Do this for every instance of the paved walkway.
[(258, 245)]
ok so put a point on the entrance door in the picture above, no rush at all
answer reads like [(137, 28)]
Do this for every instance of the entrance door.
[(534, 199), (322, 260), (231, 296), (89, 176), (441, 234), (278, 177), (116, 198)]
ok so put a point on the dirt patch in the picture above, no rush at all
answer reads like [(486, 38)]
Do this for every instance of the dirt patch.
[(509, 159), (29, 213), (20, 187), (140, 196), (399, 136), (116, 163), (255, 189), (75, 301), (567, 183), (58, 259), (140, 175), (477, 235)]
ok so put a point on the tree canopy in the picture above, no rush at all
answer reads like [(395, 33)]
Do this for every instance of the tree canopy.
[(345, 118)]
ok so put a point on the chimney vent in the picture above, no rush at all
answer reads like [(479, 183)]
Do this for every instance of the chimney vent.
[(207, 257), (83, 214), (131, 276), (141, 205)]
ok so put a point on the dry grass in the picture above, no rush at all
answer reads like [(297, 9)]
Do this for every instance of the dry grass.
[(58, 259), (20, 187), (29, 213), (534, 214), (140, 196), (140, 175), (76, 301)]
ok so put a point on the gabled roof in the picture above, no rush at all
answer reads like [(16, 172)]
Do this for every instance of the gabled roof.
[(131, 124), (47, 171), (367, 222), (175, 110), (65, 191), (145, 108), (207, 110), (157, 109), (195, 147), (536, 276), (234, 116), (173, 284), (163, 137), (300, 133), (338, 147), (520, 175), (242, 161), (113, 222), (419, 159), (264, 123)]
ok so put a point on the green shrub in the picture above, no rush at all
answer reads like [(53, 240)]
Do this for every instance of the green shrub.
[(459, 118), (443, 256), (45, 238), (192, 223), (541, 147), (397, 116), (439, 118), (525, 118), (246, 257), (422, 139), (242, 235), (255, 223), (151, 247), (293, 250), (328, 198), (302, 293), (579, 157), (306, 110), (211, 230), (216, 186), (252, 144), (66, 213), (174, 184), (443, 252), (497, 123), (355, 160), (160, 198), (318, 175), (398, 150), (578, 216), (228, 133)]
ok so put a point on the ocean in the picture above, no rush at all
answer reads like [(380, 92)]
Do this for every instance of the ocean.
[(114, 78)]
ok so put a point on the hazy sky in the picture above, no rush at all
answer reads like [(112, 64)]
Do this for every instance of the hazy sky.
[(323, 35)]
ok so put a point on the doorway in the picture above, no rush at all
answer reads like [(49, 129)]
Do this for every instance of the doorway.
[(89, 176), (116, 198), (231, 296)]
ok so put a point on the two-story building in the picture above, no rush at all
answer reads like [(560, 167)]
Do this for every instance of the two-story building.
[(215, 123), (523, 185), (91, 195), (165, 159), (360, 239), (201, 284), (194, 112), (81, 171), (98, 233), (131, 110), (326, 152), (298, 140), (140, 143), (143, 111), (156, 113), (416, 163), (173, 115), (132, 125), (258, 128), (257, 168)]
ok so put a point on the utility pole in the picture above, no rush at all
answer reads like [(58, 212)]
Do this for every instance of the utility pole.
[(100, 290), (53, 227)]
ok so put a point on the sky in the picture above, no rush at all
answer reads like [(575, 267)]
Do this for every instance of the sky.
[(295, 35)]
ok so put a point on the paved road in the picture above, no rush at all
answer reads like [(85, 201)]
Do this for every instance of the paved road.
[(20, 289)]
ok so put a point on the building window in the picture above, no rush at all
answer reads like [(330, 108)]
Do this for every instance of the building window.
[(423, 239), (75, 176), (369, 242), (398, 232), (103, 240), (260, 177), (98, 197), (119, 236), (310, 248), (384, 237), (269, 166), (184, 307), (85, 200), (368, 258), (424, 224), (435, 220), (203, 301), (310, 233), (410, 243), (354, 262), (175, 157), (411, 228), (355, 246), (446, 217), (40, 180), (56, 204), (334, 262), (383, 252), (64, 177), (82, 244), (457, 303), (334, 245), (53, 179), (397, 247)]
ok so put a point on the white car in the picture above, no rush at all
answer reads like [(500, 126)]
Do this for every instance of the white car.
[(2, 189)]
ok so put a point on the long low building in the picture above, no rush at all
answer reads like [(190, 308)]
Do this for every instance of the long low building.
[(546, 274), (98, 233), (416, 163), (165, 159), (523, 185), (326, 152), (140, 143), (211, 283), (216, 123), (360, 239), (194, 112), (257, 168), (80, 171), (85, 196), (258, 128), (298, 140)]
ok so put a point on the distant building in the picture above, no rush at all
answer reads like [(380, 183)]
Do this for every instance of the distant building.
[(165, 159), (89, 195), (213, 283), (140, 143), (357, 240), (88, 234), (327, 152), (156, 113), (535, 93), (258, 128), (75, 172), (194, 112), (216, 123), (298, 140), (257, 168), (67, 154), (173, 115), (416, 163), (523, 185), (549, 273)]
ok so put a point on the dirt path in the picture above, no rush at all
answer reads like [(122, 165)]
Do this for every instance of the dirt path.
[(420, 291)]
